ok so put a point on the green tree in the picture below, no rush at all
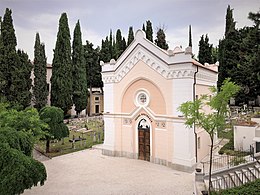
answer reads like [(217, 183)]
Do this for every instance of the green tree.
[(160, 41), (79, 72), (18, 132), (21, 81), (40, 90), (190, 36), (94, 78), (53, 116), (230, 23), (143, 28), (213, 121), (214, 54), (205, 50), (119, 43), (106, 50), (9, 58), (130, 36), (149, 30), (228, 50), (61, 80), (15, 67)]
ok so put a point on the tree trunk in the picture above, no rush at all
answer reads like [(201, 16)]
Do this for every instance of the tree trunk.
[(210, 162), (47, 146)]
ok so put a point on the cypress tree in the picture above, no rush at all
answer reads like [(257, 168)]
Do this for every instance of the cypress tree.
[(228, 50), (143, 28), (40, 90), (111, 46), (79, 72), (130, 36), (123, 45), (21, 81), (15, 67), (9, 58), (61, 80), (106, 50), (119, 43), (149, 30), (205, 50), (94, 78), (190, 37), (2, 76), (230, 24), (160, 41)]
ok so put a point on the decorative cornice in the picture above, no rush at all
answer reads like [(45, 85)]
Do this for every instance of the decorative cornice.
[(159, 66)]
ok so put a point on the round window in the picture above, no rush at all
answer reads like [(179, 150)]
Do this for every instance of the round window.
[(142, 99)]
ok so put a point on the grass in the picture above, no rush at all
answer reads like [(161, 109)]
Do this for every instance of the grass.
[(226, 134), (60, 147)]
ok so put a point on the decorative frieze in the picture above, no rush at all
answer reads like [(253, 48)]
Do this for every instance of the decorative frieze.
[(159, 66)]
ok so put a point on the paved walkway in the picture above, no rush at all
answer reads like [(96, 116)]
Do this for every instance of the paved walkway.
[(89, 172)]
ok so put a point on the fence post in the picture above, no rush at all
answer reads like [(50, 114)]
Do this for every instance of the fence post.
[(228, 161)]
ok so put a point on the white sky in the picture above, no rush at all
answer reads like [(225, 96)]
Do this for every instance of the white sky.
[(97, 17)]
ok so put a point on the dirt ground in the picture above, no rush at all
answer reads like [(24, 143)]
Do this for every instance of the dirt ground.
[(89, 172)]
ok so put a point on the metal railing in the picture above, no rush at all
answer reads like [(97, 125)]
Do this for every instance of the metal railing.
[(227, 161), (235, 179)]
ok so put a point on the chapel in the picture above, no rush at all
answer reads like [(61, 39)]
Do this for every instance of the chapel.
[(142, 92)]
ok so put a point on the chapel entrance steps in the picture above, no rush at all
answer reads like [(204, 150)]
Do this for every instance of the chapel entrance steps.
[(234, 176)]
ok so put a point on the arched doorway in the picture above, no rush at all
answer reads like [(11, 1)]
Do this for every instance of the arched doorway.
[(143, 140)]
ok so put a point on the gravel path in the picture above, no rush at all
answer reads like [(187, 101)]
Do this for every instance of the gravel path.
[(89, 172)]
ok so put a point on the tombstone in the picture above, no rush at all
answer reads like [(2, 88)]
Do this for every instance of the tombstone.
[(232, 101), (94, 137), (98, 136)]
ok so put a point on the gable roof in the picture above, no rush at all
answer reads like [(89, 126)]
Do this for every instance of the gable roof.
[(164, 62)]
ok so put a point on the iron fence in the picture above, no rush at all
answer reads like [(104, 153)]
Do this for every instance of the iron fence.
[(235, 179), (222, 162)]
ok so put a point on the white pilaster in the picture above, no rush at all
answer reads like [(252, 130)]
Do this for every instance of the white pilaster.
[(183, 145), (182, 92)]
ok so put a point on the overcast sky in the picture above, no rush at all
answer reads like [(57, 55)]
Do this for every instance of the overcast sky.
[(97, 17)]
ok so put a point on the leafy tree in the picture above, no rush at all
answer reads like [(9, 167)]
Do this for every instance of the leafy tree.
[(40, 90), (18, 171), (18, 131), (61, 80), (213, 121), (248, 74), (27, 120), (79, 72), (160, 40), (205, 50), (149, 30), (53, 116), (190, 37), (130, 36)]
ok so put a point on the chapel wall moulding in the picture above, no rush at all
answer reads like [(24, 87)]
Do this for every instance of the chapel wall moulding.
[(181, 70)]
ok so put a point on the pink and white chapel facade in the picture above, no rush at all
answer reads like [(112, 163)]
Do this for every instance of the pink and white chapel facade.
[(142, 92)]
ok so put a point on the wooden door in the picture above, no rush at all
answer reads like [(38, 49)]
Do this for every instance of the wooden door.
[(144, 144)]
